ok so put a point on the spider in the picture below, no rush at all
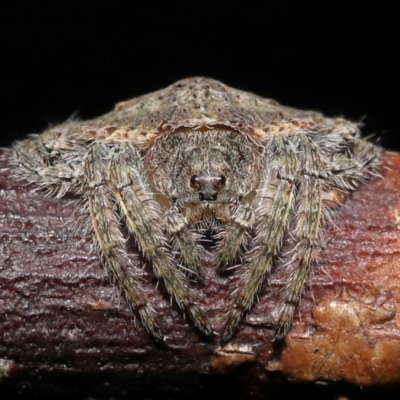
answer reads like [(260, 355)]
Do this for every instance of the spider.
[(240, 167)]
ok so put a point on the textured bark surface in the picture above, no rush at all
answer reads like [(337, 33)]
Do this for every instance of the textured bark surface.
[(65, 329)]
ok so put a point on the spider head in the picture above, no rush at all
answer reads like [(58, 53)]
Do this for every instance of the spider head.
[(204, 166)]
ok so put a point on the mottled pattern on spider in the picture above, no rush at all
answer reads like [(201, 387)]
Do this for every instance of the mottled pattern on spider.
[(244, 165)]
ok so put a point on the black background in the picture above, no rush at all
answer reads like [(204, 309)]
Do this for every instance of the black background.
[(60, 58)]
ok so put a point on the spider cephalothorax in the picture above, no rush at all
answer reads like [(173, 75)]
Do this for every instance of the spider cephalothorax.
[(246, 165), (197, 166)]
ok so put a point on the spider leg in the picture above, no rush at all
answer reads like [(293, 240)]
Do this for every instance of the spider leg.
[(34, 165), (185, 240), (142, 217), (342, 171), (235, 236), (307, 232), (110, 239), (273, 215)]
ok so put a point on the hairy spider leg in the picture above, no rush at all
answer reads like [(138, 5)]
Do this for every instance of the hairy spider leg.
[(272, 220), (142, 214), (109, 237)]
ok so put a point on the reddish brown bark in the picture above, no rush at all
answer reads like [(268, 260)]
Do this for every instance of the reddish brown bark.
[(61, 320)]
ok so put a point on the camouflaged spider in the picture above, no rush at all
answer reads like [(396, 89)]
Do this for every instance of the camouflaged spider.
[(244, 165)]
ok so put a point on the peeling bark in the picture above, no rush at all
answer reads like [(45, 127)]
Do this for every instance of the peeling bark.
[(63, 327)]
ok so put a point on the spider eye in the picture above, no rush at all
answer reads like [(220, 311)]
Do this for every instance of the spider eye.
[(197, 181), (218, 182)]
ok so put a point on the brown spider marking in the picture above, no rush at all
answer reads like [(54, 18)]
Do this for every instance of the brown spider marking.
[(235, 161)]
